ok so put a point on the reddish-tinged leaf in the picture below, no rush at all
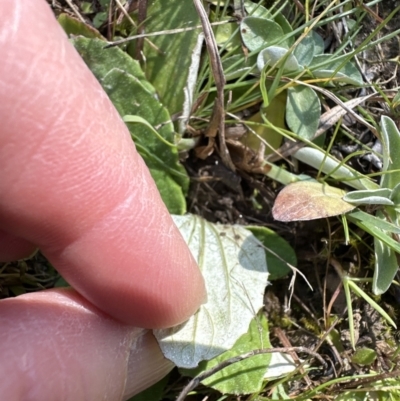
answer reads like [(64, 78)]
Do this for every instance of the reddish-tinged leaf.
[(307, 200)]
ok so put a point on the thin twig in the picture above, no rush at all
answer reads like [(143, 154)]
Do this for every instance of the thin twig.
[(287, 350), (142, 15), (110, 27), (125, 13), (286, 343)]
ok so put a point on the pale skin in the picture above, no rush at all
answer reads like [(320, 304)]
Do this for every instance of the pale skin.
[(73, 185)]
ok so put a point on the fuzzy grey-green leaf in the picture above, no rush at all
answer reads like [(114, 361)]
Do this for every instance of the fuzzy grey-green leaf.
[(273, 55), (234, 267), (386, 264), (391, 153), (168, 56), (303, 111), (381, 196), (258, 33), (305, 50), (324, 66)]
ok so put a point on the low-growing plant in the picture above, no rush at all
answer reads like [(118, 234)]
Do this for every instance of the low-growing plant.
[(255, 98)]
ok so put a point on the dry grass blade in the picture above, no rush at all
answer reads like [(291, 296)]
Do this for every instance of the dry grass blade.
[(217, 122), (75, 9), (165, 32)]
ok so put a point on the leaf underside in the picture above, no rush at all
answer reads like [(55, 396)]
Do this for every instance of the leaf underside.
[(234, 267)]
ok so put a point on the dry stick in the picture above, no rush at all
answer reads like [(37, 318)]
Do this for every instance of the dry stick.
[(128, 8), (125, 13), (286, 343), (369, 11), (196, 380), (109, 23), (142, 15), (218, 116)]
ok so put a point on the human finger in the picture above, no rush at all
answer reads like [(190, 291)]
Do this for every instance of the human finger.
[(56, 345), (74, 185)]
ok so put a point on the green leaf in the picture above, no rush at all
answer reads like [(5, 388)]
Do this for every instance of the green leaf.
[(125, 84), (396, 100), (278, 251), (364, 356), (258, 33), (257, 10), (140, 120), (236, 66), (101, 61), (324, 66), (161, 159), (319, 45), (303, 111), (305, 50), (153, 393), (87, 8), (100, 19), (233, 265), (381, 196), (245, 377), (360, 216), (391, 153), (353, 395), (287, 29), (168, 57), (395, 195), (265, 126), (332, 167), (307, 200), (379, 234), (273, 54), (386, 264), (227, 35), (73, 26), (386, 267)]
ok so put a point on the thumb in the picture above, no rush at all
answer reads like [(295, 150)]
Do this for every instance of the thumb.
[(54, 344)]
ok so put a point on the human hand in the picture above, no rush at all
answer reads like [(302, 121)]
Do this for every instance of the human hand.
[(73, 185)]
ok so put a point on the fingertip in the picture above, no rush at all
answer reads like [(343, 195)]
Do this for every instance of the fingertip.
[(14, 248), (144, 274), (83, 194)]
